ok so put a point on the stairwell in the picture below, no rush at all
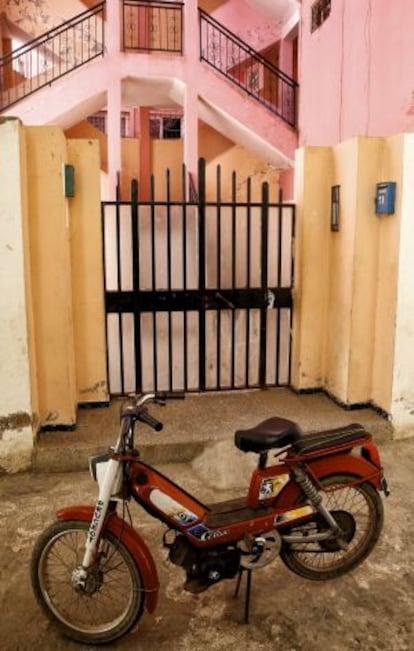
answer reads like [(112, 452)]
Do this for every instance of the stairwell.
[(240, 94)]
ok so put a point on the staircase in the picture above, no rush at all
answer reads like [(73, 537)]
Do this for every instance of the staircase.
[(259, 94), (248, 69), (52, 55)]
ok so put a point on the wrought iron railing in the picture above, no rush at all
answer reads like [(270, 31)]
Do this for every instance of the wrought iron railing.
[(51, 55), (150, 25), (240, 63)]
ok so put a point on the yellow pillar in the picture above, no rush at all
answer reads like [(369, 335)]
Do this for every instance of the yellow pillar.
[(87, 273), (51, 275)]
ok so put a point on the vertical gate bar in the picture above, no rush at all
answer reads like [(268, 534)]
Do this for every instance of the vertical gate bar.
[(136, 282), (154, 280), (121, 351), (202, 271), (184, 259), (233, 276), (218, 311), (248, 264), (170, 344), (184, 232), (264, 254), (105, 288), (279, 281), (119, 286), (153, 256)]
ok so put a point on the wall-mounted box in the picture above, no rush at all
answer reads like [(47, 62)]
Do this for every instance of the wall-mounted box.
[(385, 198), (69, 180)]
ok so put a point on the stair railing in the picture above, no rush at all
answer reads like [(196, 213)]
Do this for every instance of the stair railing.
[(247, 68), (152, 25), (51, 55)]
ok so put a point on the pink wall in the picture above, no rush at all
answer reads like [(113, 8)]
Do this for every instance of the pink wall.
[(256, 29), (356, 71)]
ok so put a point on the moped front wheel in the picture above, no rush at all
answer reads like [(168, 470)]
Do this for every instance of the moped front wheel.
[(358, 510), (112, 600)]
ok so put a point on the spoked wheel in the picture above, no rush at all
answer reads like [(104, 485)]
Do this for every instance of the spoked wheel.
[(112, 600), (358, 511)]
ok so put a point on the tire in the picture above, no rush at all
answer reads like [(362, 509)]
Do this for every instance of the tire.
[(359, 510), (114, 599)]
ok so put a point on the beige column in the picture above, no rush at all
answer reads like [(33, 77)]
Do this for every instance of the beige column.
[(87, 273), (18, 399), (51, 275)]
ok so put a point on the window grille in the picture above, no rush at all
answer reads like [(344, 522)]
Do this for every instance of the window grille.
[(320, 12), (99, 120), (163, 128)]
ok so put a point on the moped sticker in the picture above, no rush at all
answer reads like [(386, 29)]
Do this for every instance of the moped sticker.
[(294, 514), (95, 520), (170, 507), (203, 533), (271, 486)]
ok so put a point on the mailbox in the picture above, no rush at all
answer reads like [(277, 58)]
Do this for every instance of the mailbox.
[(385, 198), (69, 180)]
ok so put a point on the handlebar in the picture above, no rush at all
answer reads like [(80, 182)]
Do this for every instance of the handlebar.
[(144, 417), (135, 410), (170, 395)]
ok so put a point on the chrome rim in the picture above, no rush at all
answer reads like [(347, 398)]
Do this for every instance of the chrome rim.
[(110, 596)]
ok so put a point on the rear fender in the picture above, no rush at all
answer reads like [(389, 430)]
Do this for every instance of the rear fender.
[(132, 541), (341, 464)]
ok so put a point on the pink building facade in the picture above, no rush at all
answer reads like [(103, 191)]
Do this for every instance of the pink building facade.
[(354, 279), (356, 72), (137, 74)]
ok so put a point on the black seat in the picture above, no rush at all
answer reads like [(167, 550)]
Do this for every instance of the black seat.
[(346, 435), (271, 433)]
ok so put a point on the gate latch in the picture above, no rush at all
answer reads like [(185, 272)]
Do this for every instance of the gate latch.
[(270, 299)]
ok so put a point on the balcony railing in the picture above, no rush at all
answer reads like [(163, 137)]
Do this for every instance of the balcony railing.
[(51, 55), (252, 72), (153, 25)]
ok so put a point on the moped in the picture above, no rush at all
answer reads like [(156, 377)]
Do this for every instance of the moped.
[(317, 505)]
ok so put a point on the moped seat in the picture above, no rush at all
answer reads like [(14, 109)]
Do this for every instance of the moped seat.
[(347, 435), (271, 433)]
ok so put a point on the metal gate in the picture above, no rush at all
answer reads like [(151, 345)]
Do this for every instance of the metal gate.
[(198, 293)]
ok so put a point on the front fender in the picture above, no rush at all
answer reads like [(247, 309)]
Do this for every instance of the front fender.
[(132, 541), (340, 464)]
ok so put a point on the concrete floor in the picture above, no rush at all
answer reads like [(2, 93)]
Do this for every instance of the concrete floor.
[(194, 424), (370, 609)]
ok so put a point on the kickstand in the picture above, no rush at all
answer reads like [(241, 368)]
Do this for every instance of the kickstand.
[(248, 590)]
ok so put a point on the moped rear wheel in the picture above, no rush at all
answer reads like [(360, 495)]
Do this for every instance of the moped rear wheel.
[(358, 510), (113, 598)]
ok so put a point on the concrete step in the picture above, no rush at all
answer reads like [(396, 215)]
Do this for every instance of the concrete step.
[(201, 422)]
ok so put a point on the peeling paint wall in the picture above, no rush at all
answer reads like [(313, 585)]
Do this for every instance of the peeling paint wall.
[(36, 17), (16, 402), (52, 318), (402, 408), (353, 332)]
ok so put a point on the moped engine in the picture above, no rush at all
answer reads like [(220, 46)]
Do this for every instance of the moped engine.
[(204, 567)]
